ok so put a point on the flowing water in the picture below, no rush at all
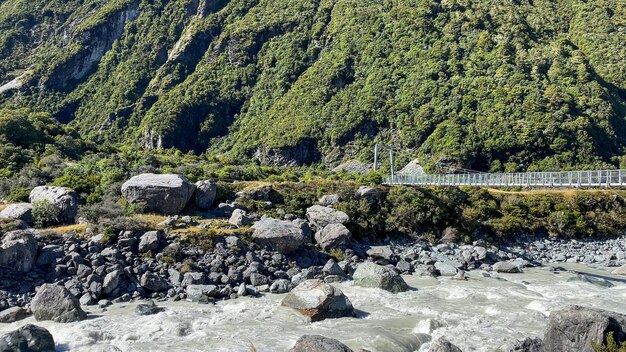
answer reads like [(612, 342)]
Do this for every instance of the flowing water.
[(480, 314)]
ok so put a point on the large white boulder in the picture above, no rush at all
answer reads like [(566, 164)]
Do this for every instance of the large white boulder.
[(320, 216), (65, 199), (19, 211), (166, 194), (369, 274), (18, 251), (318, 300), (56, 303), (280, 235)]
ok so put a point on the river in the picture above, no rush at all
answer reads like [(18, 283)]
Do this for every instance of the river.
[(480, 314)]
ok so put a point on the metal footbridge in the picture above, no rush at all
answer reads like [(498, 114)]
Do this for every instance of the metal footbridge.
[(562, 179)]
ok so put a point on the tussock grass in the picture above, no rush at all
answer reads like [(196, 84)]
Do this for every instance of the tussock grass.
[(66, 229)]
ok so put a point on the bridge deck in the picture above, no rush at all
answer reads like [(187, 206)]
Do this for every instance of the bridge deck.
[(569, 179)]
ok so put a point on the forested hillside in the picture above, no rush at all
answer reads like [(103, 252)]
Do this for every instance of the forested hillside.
[(490, 85)]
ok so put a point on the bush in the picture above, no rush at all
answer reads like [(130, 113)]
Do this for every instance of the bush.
[(105, 210), (611, 345), (18, 195), (45, 213)]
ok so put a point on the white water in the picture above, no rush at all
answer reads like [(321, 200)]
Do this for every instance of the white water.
[(480, 314)]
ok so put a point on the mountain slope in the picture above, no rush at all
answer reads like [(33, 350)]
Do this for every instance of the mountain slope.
[(505, 85)]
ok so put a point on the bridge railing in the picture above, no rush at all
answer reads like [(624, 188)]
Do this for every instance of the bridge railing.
[(571, 179)]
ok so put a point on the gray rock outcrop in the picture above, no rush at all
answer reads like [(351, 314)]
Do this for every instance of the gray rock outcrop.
[(318, 301), (526, 345), (369, 274), (28, 338), (18, 251), (166, 194), (320, 216), (577, 328), (56, 303), (205, 194), (13, 314), (64, 199), (282, 236), (318, 343), (443, 345)]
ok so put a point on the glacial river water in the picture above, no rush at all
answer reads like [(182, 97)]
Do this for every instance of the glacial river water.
[(480, 314)]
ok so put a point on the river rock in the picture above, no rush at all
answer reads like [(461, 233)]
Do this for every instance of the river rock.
[(381, 253), (56, 303), (369, 274), (318, 300), (317, 343), (445, 269), (320, 216), (153, 282), (196, 292), (150, 241), (443, 345), (13, 314), (332, 236), (577, 328), (111, 281), (597, 281), (620, 271), (205, 194), (49, 254), (19, 211), (282, 236), (166, 194), (148, 308), (526, 345), (240, 218), (506, 267), (280, 286), (28, 338), (64, 199), (329, 199), (18, 251)]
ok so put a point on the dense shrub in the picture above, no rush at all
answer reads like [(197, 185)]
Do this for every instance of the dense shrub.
[(45, 213)]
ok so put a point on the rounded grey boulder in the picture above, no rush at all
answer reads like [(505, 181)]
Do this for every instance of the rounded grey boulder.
[(65, 199), (56, 303), (320, 216), (19, 211), (332, 236), (318, 343), (282, 236), (318, 301), (28, 338), (443, 345), (18, 251), (205, 194), (166, 194), (369, 274), (506, 267)]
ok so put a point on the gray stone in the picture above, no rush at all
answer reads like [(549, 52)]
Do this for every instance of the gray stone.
[(49, 254), (369, 193), (280, 286), (443, 345), (111, 281), (233, 242), (240, 218), (18, 251), (577, 328), (619, 271), (205, 194), (597, 281), (150, 241), (148, 308), (257, 279), (195, 292), (193, 278), (282, 236), (332, 236), (445, 269), (13, 314), (329, 199), (64, 199), (317, 343), (526, 345), (19, 211), (369, 274), (56, 303), (320, 216), (166, 194), (331, 268), (153, 282), (506, 267), (28, 338), (87, 300), (318, 301), (380, 252), (404, 267)]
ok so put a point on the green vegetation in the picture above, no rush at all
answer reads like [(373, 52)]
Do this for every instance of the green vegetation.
[(611, 345), (500, 86), (45, 213)]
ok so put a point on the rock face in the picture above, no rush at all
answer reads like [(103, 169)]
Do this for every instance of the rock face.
[(320, 216), (20, 211), (13, 314), (65, 199), (282, 236), (332, 236), (153, 282), (150, 241), (443, 345), (28, 338), (56, 303), (369, 274), (205, 194), (317, 343), (18, 251), (319, 301), (577, 328), (240, 218), (166, 194)]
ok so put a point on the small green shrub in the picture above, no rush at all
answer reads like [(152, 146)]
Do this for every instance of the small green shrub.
[(611, 345), (45, 213), (19, 195)]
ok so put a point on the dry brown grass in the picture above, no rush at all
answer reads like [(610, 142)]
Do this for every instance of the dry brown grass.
[(2, 206), (62, 230), (152, 219)]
